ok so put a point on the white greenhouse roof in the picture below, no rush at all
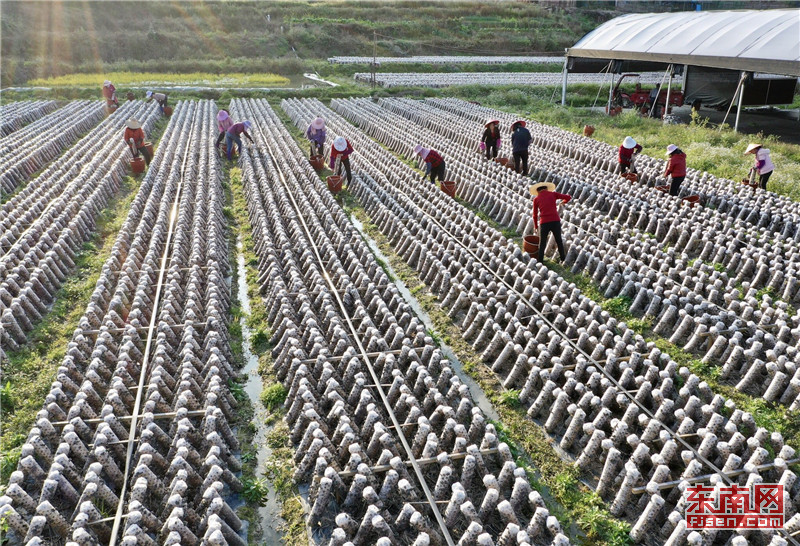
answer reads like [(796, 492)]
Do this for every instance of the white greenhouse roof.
[(751, 40)]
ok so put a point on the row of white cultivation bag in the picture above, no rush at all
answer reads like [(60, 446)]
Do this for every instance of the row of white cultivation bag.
[(136, 423), (24, 152), (626, 412), (447, 79), (44, 225), (447, 59), (616, 236), (363, 489), (15, 115)]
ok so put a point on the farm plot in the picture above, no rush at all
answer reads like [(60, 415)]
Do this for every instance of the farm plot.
[(713, 291), (447, 59), (133, 444), (15, 115), (386, 435), (27, 150), (45, 224), (625, 412), (443, 79)]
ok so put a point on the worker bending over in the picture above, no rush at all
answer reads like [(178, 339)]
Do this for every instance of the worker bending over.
[(316, 133), (134, 138), (628, 149), (520, 141), (434, 163), (545, 215), (232, 136), (160, 98), (341, 151)]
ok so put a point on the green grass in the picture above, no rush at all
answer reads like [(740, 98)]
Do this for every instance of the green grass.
[(120, 79), (279, 466)]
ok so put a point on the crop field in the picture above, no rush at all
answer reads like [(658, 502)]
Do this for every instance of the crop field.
[(151, 78), (257, 350), (499, 399)]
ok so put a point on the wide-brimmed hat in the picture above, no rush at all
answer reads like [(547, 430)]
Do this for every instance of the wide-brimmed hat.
[(106, 83), (421, 151), (671, 148), (222, 115), (753, 147), (340, 144), (133, 123), (518, 123), (247, 123), (628, 142), (539, 186), (149, 94), (318, 123), (490, 122)]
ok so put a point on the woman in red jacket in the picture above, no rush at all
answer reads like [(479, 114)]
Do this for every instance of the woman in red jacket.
[(545, 215), (676, 166), (341, 149), (628, 149)]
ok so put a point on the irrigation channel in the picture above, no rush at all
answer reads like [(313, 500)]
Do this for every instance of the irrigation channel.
[(393, 443)]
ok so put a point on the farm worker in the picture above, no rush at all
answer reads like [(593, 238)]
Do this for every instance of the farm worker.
[(434, 163), (763, 166), (341, 150), (134, 138), (545, 215), (520, 140), (130, 96), (628, 149), (110, 94), (224, 122), (316, 134), (160, 98), (232, 136), (676, 167), (490, 141)]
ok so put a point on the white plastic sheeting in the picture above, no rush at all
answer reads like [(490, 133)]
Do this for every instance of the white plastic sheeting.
[(751, 40)]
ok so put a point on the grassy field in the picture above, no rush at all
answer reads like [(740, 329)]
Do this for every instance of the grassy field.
[(44, 39)]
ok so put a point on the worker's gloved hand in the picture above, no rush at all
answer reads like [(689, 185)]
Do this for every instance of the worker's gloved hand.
[(331, 164), (483, 146)]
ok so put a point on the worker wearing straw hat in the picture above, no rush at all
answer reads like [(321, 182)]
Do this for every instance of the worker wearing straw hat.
[(490, 141), (520, 141), (628, 149), (110, 94), (676, 167), (316, 133), (763, 166), (434, 162), (160, 98), (545, 215), (341, 150), (134, 138)]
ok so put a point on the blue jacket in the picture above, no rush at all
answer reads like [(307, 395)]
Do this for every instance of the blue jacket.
[(520, 140)]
